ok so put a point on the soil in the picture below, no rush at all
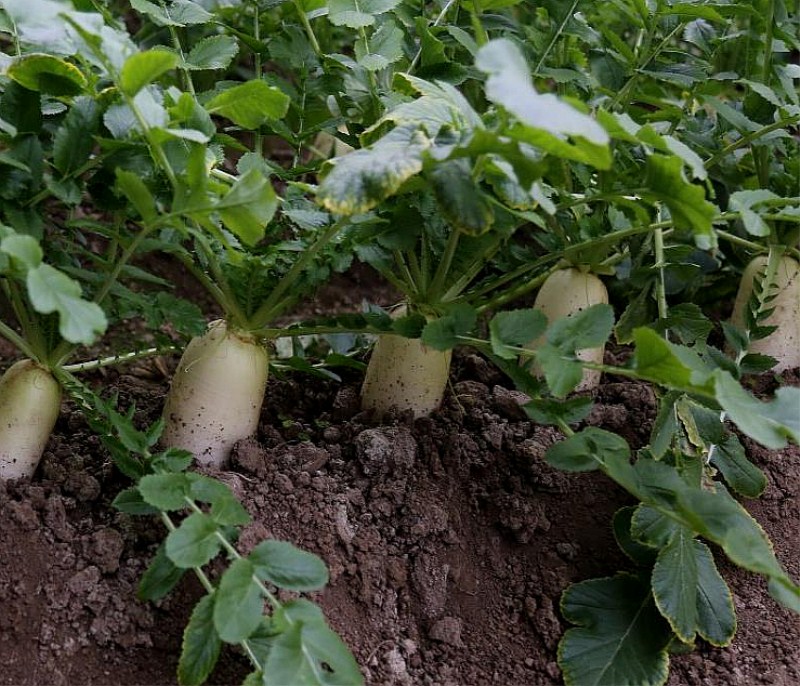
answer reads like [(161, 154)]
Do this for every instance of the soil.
[(449, 541)]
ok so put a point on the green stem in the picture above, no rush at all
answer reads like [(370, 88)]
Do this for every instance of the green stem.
[(18, 341), (436, 22), (481, 37), (221, 287), (555, 37), (439, 277), (661, 291), (114, 360), (31, 332), (186, 76), (312, 37), (412, 287), (749, 138), (518, 291), (258, 139), (273, 305)]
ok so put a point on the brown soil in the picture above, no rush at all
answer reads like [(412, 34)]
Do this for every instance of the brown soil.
[(449, 541)]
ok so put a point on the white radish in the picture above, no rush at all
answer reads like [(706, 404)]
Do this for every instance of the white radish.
[(405, 374), (563, 293), (784, 343), (216, 394), (30, 400)]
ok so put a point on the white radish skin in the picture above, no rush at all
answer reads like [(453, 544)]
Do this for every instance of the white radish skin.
[(405, 374), (216, 394), (784, 343), (565, 292), (30, 400)]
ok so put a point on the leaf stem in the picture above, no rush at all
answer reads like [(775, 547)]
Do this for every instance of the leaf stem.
[(436, 22), (442, 270), (114, 360), (715, 159), (555, 37)]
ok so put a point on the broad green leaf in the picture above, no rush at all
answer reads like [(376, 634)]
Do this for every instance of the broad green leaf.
[(716, 618), (785, 593), (460, 198), (588, 328), (621, 639), (250, 104), (74, 140), (132, 186), (639, 553), (509, 84), (743, 202), (201, 645), (165, 491), (587, 450), (130, 501), (552, 411), (159, 578), (443, 333), (670, 365), (194, 542), (174, 13), (741, 474), (515, 328), (25, 249), (297, 655), (674, 580), (686, 201), (214, 52), (47, 74), (770, 423), (208, 490), (286, 566), (248, 207), (143, 68), (560, 368), (359, 181), (652, 528), (238, 605), (384, 47), (229, 512), (50, 290), (358, 13)]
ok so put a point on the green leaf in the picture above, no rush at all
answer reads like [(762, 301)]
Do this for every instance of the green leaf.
[(515, 328), (716, 618), (250, 104), (587, 450), (741, 474), (74, 140), (357, 182), (50, 290), (143, 68), (286, 566), (175, 13), (358, 13), (238, 606), (165, 491), (213, 52), (130, 502), (208, 490), (460, 198), (309, 653), (670, 365), (248, 207), (443, 333), (675, 584), (589, 328), (639, 553), (25, 249), (159, 578), (769, 423), (132, 186), (686, 201), (201, 645), (229, 512), (194, 542), (561, 370), (385, 47), (621, 640), (47, 74), (652, 528), (552, 411)]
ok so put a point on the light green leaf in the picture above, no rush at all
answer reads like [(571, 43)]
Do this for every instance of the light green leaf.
[(50, 290), (248, 207), (621, 639), (238, 606), (687, 202), (165, 491), (297, 655), (144, 68), (515, 328), (132, 186), (194, 542), (769, 423), (250, 104), (25, 249), (47, 74), (357, 182), (509, 84), (358, 13), (176, 13), (384, 47), (673, 366), (201, 645), (560, 368), (286, 566), (213, 52), (229, 512), (587, 328)]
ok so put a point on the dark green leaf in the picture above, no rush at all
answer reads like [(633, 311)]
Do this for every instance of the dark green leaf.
[(201, 645), (636, 551), (443, 333), (551, 411), (160, 577), (130, 501), (741, 474), (589, 328), (561, 371), (132, 186), (47, 74), (460, 198), (194, 542), (587, 450), (74, 140), (248, 207), (238, 606)]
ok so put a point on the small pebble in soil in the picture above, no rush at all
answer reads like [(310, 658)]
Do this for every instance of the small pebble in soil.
[(448, 631)]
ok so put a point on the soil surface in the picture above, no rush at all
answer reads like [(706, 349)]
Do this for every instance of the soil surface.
[(449, 541)]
